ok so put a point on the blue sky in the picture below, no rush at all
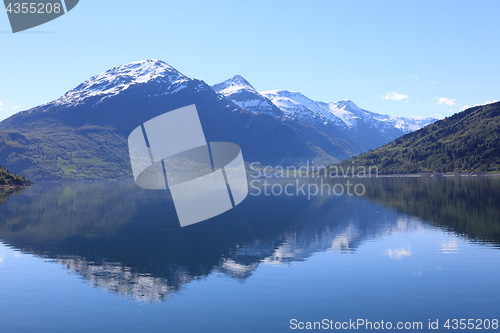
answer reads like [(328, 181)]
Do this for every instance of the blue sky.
[(411, 58)]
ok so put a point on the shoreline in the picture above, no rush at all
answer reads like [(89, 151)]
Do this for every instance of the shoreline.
[(14, 186), (415, 175), (437, 175), (402, 175)]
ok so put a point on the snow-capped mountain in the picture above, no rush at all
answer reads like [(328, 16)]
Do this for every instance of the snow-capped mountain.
[(119, 79), (245, 96), (352, 115), (297, 106), (242, 93), (373, 129), (370, 129), (344, 113), (93, 121)]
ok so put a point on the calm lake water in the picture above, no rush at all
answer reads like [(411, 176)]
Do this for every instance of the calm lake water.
[(111, 257)]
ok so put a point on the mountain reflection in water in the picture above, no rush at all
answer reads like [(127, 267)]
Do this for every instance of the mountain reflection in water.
[(127, 240)]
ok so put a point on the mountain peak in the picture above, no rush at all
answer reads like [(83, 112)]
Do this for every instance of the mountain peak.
[(235, 84), (242, 93), (142, 69), (346, 104), (240, 80), (119, 78)]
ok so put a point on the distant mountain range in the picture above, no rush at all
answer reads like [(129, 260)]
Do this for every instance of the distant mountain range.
[(468, 141), (83, 134), (368, 129)]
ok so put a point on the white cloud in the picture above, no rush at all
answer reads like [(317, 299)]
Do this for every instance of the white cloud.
[(465, 107), (413, 77), (1, 103), (434, 82), (15, 107), (394, 96), (447, 101), (451, 110)]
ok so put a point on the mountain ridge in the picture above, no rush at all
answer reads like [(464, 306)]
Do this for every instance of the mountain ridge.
[(83, 134), (368, 129)]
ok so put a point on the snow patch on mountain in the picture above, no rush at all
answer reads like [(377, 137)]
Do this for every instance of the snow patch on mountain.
[(120, 78), (345, 110), (350, 113), (295, 106), (347, 115), (233, 85), (293, 109), (243, 94)]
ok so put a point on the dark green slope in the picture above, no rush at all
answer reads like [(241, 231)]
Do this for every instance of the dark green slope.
[(468, 141)]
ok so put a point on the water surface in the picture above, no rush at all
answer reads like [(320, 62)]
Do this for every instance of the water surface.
[(109, 256)]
